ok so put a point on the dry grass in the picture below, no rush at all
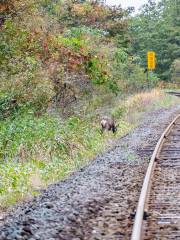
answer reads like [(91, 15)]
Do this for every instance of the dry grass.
[(141, 100), (132, 109)]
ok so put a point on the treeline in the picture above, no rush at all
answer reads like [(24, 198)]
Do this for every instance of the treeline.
[(59, 51), (157, 28)]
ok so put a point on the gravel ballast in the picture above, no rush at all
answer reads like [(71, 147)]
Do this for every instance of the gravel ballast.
[(98, 201)]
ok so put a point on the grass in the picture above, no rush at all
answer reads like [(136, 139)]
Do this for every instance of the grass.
[(37, 151), (133, 107)]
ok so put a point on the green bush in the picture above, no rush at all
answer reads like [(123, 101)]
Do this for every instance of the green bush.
[(128, 74), (8, 106), (78, 32), (74, 43)]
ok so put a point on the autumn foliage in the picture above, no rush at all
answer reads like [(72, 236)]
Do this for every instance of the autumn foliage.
[(44, 44)]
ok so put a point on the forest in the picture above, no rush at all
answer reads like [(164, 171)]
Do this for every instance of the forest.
[(64, 64)]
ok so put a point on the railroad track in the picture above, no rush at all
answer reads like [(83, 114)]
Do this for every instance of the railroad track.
[(175, 93), (158, 210)]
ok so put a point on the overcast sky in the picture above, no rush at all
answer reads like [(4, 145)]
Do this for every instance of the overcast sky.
[(127, 3)]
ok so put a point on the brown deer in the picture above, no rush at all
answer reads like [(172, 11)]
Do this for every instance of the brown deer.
[(107, 123)]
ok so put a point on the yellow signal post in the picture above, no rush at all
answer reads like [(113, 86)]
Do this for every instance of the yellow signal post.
[(151, 57), (151, 64)]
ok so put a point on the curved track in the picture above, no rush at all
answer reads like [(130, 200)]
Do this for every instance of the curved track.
[(158, 211)]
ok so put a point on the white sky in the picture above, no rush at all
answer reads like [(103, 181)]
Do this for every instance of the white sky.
[(128, 3)]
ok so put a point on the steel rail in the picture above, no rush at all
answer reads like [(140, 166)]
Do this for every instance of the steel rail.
[(175, 93), (141, 211)]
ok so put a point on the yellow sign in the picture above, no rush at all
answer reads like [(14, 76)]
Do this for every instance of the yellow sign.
[(151, 57)]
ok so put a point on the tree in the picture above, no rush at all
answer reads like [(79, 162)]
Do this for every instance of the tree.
[(157, 28)]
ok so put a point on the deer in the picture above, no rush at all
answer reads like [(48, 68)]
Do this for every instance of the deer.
[(107, 123)]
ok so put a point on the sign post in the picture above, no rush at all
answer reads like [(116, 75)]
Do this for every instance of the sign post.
[(151, 56), (151, 62)]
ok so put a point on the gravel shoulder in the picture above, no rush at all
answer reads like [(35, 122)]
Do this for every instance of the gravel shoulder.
[(98, 201)]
